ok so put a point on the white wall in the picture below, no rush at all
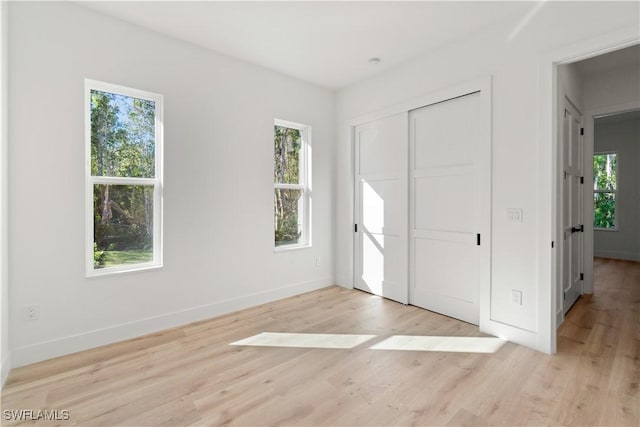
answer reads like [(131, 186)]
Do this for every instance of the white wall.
[(620, 85), (5, 355), (569, 85), (515, 65), (624, 139), (218, 238)]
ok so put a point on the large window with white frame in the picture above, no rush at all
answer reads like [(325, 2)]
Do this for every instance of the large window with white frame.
[(123, 133), (292, 185), (605, 186)]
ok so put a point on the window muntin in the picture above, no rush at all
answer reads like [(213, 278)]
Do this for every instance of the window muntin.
[(124, 178), (291, 203), (605, 185)]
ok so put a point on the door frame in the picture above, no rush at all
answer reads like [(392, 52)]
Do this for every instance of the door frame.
[(549, 257), (482, 85)]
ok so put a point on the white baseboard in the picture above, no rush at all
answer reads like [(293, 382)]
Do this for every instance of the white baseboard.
[(4, 369), (628, 256), (71, 344), (511, 333)]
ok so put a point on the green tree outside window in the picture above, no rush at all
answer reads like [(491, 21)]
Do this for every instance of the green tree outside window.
[(605, 176), (289, 177), (123, 146)]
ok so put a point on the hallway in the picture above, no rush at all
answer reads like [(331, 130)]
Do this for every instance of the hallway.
[(602, 333)]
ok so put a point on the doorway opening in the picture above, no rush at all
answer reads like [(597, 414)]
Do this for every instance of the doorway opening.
[(598, 183)]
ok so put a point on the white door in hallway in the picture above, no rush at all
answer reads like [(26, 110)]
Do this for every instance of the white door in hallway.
[(381, 207), (449, 213), (573, 214)]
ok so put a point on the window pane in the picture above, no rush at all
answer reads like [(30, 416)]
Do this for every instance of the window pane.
[(604, 209), (122, 135), (288, 216), (605, 169), (122, 225), (286, 145)]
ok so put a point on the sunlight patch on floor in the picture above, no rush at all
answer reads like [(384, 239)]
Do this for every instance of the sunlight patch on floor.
[(282, 339), (445, 344)]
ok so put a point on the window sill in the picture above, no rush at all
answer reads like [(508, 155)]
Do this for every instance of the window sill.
[(606, 229), (289, 248), (118, 271)]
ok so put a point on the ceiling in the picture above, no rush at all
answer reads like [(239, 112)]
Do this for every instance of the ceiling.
[(608, 61), (326, 43)]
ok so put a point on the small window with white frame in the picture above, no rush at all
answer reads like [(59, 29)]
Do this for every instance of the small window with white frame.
[(605, 186), (123, 132), (291, 181)]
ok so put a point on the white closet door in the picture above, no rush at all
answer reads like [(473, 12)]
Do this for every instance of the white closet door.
[(381, 207), (449, 193)]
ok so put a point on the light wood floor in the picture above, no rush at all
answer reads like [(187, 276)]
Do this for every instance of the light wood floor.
[(191, 376)]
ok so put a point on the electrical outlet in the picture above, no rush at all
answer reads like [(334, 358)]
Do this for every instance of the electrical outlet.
[(514, 215), (516, 297), (32, 312)]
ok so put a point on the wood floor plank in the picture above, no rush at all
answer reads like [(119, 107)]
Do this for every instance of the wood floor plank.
[(191, 375)]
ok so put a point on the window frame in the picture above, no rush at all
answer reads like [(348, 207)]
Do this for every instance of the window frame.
[(304, 184), (156, 181), (614, 192)]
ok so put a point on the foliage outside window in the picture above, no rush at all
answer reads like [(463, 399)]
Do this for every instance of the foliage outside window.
[(124, 184), (291, 201), (605, 177)]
